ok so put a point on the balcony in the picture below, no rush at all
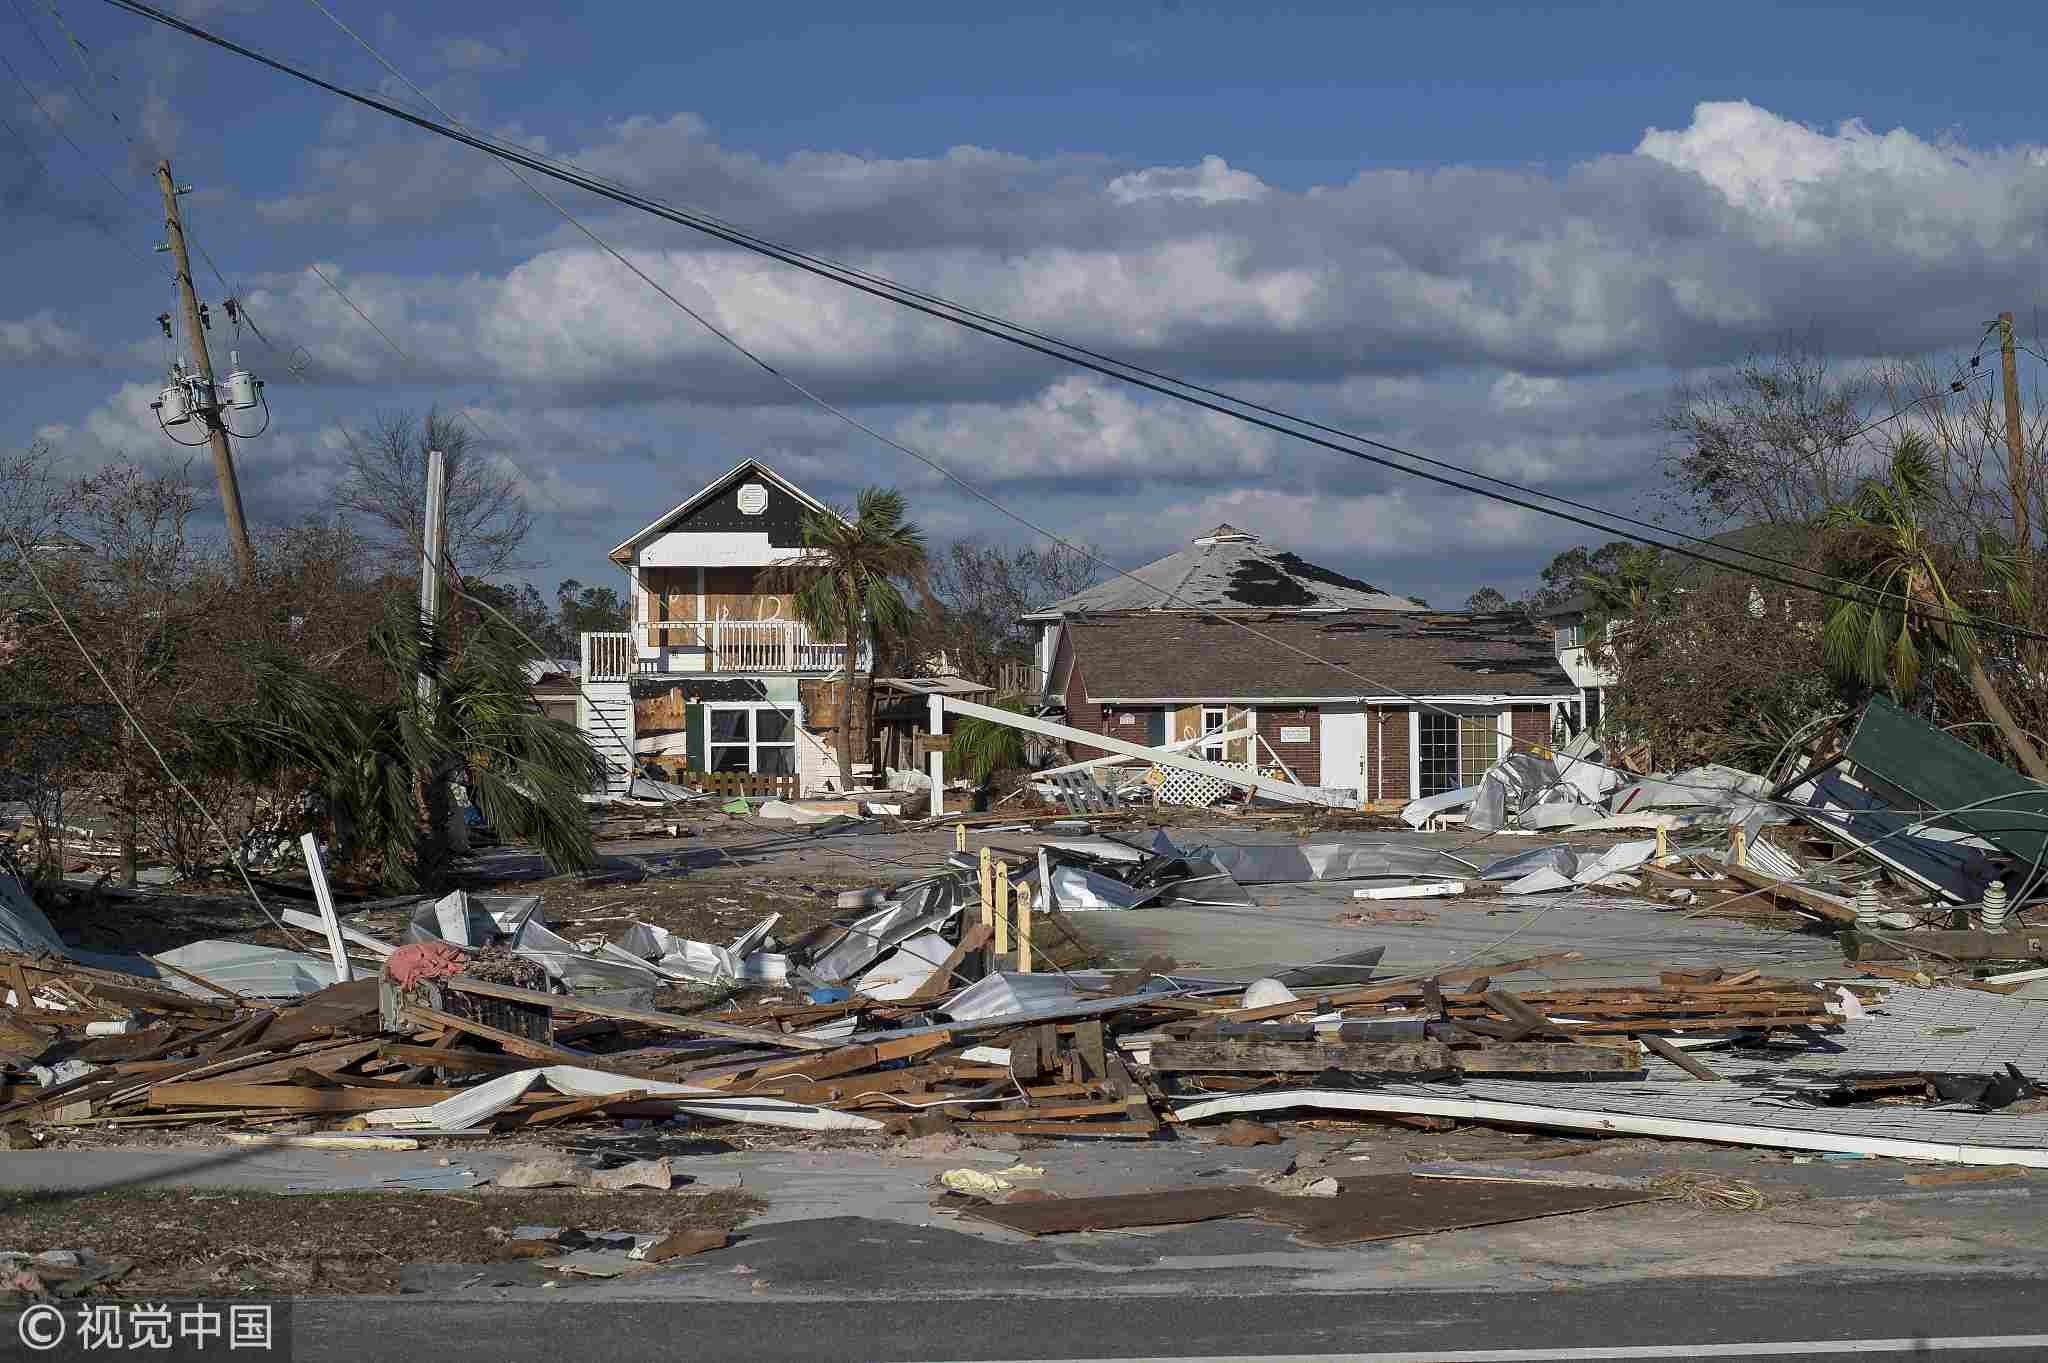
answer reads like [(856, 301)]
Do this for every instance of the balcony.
[(718, 646)]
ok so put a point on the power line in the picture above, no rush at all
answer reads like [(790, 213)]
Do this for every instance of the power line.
[(857, 424), (1864, 596), (574, 173)]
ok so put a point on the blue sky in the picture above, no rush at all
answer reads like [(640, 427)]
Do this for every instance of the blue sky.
[(1496, 235)]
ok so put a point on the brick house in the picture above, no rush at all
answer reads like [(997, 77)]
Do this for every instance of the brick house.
[(1349, 687)]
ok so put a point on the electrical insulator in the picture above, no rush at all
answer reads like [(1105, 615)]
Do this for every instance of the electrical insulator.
[(172, 405), (228, 304), (242, 385), (163, 319), (205, 317)]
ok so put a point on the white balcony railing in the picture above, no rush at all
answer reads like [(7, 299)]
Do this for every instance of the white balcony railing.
[(731, 646)]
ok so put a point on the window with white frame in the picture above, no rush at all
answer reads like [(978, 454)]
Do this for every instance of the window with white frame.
[(750, 738), (1572, 635), (1213, 718), (1456, 749)]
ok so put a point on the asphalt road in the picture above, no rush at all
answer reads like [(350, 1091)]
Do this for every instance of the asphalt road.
[(1951, 1318)]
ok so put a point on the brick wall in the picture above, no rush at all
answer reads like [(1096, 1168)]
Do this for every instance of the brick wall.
[(1082, 713), (1394, 755), (1304, 759), (1531, 726)]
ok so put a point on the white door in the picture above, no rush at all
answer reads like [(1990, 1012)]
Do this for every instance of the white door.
[(1343, 748)]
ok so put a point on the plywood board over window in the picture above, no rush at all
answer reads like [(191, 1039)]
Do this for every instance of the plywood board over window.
[(671, 595), (735, 594)]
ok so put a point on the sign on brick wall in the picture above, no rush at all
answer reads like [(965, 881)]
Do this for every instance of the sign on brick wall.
[(1294, 733)]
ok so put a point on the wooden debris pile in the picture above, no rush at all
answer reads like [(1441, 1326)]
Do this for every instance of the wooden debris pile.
[(1095, 1064)]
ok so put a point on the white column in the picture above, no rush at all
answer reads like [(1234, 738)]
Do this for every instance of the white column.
[(938, 784)]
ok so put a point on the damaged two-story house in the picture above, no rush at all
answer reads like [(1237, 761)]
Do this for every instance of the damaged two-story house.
[(716, 673), (1326, 678)]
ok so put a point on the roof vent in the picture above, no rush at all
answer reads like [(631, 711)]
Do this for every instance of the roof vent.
[(753, 499), (1227, 533)]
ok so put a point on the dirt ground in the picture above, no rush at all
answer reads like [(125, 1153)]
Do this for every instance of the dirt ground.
[(189, 1243)]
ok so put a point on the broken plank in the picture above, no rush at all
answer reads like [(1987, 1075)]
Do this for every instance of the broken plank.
[(432, 1057), (217, 1093), (1119, 1130), (1679, 1058), (1522, 1015), (517, 1045), (1823, 906), (2025, 945), (1050, 1113), (1548, 1057), (972, 939), (679, 1022), (1352, 1057)]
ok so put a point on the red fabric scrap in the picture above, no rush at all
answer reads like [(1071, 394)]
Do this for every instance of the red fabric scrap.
[(423, 961)]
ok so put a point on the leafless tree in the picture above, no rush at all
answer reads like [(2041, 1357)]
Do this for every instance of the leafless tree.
[(386, 485), (1775, 440), (979, 594)]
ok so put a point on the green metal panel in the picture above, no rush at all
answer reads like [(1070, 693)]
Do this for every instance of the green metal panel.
[(693, 726), (1155, 728), (1935, 770)]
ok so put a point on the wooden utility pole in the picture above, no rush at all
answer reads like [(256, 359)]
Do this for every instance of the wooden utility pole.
[(434, 535), (2015, 443), (209, 409)]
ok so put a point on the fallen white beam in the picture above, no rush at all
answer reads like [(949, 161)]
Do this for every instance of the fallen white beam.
[(299, 918), (1244, 780), (1213, 736), (1569, 1119), (325, 898)]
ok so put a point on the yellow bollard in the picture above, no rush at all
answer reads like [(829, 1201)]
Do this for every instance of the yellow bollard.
[(1002, 908), (988, 887), (1024, 932), (1663, 842), (959, 837)]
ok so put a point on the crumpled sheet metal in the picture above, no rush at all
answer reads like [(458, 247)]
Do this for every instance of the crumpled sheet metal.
[(264, 972), (907, 969), (470, 1108), (923, 906), (480, 920), (1005, 992), (23, 927), (1416, 813), (1295, 863)]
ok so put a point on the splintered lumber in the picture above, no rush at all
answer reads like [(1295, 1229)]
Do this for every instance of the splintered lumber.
[(974, 938), (2024, 945), (1679, 1058), (1523, 1016), (1823, 906), (1284, 1057), (677, 1022), (292, 1097), (1548, 1057), (851, 1059), (433, 1057), (511, 1042)]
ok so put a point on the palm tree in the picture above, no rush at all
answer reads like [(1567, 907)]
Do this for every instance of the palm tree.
[(845, 587), (1879, 641), (379, 765)]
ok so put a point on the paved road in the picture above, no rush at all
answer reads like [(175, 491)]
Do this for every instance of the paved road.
[(1994, 1318)]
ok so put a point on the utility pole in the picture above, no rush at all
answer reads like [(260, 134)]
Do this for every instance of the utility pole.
[(433, 537), (434, 534), (2015, 444), (209, 410)]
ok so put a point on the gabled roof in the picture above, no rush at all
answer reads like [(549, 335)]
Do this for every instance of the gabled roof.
[(1185, 657), (745, 468), (1227, 569)]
